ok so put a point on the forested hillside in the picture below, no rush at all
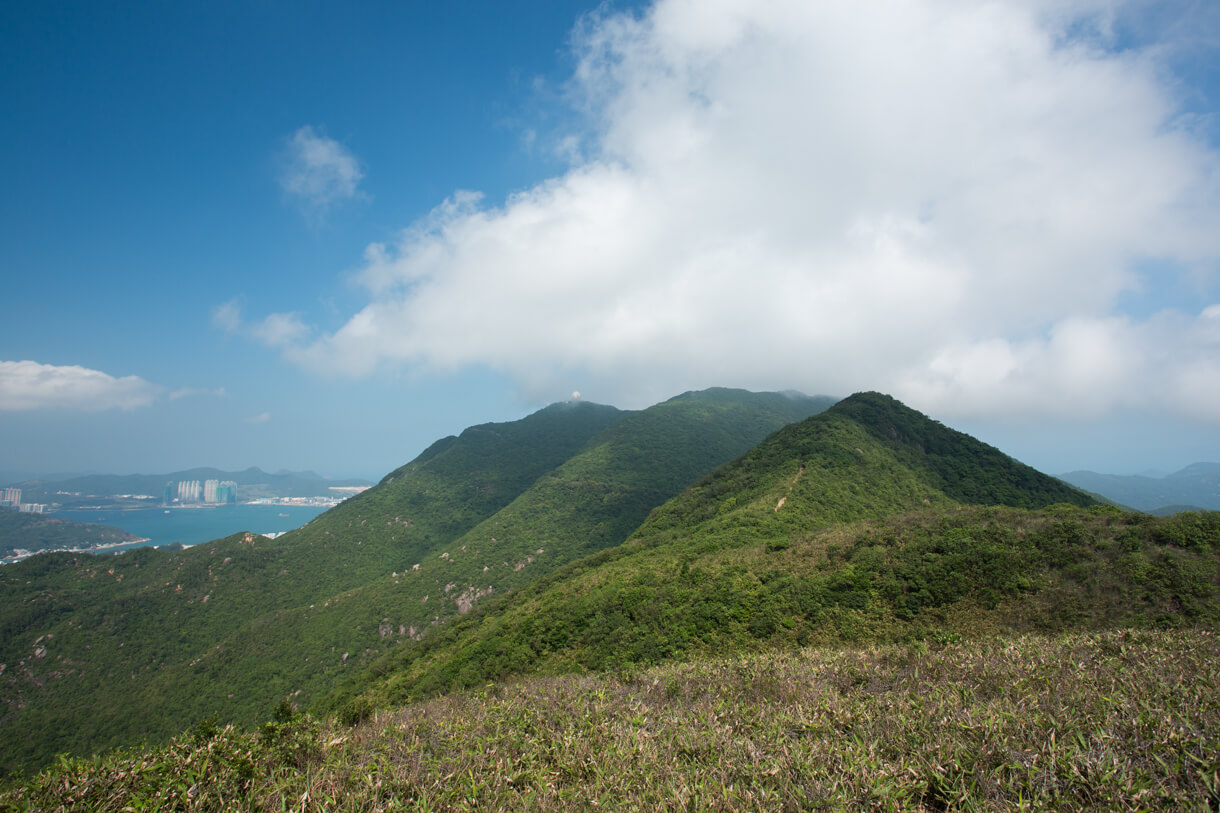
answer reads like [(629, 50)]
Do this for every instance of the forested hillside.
[(120, 636), (765, 547), (234, 626)]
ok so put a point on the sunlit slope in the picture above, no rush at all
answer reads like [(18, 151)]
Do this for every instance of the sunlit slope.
[(592, 501), (598, 497), (98, 650), (932, 573), (867, 456), (452, 486), (840, 527), (234, 626)]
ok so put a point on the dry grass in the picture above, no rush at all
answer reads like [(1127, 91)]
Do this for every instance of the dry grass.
[(1114, 721)]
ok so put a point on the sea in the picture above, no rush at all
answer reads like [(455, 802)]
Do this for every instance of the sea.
[(191, 526)]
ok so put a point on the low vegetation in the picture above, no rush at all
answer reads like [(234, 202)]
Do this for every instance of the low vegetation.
[(970, 571), (1119, 720)]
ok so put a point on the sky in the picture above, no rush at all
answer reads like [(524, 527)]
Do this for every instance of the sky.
[(321, 236)]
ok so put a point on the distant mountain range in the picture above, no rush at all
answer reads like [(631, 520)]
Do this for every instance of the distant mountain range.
[(252, 483), (1197, 486)]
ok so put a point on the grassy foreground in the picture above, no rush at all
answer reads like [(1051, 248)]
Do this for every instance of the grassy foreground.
[(1115, 720)]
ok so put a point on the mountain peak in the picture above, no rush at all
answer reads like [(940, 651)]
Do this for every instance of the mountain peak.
[(961, 466)]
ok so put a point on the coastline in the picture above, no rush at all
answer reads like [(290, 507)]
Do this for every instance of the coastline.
[(154, 526), (22, 554)]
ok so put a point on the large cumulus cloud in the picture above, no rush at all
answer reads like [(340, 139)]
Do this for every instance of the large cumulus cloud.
[(950, 201)]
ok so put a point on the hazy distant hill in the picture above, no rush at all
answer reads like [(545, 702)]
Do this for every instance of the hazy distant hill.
[(1196, 486), (252, 483), (37, 532)]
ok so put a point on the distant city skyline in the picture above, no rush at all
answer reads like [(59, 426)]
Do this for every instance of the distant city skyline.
[(323, 238), (11, 498), (192, 492)]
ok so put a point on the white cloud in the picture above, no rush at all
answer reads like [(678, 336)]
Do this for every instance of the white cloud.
[(227, 316), (280, 330), (26, 385), (943, 200), (192, 392), (262, 417), (275, 330), (319, 172), (1084, 368)]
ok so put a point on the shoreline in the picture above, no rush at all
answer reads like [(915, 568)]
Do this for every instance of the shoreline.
[(167, 528), (24, 554), (280, 502)]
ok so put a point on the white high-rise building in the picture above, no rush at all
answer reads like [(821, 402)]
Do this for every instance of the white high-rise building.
[(209, 490)]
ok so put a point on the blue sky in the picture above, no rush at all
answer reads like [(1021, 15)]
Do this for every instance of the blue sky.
[(320, 236)]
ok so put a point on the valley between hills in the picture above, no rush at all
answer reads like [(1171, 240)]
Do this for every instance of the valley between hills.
[(727, 600)]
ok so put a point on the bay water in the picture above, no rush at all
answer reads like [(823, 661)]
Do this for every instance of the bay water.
[(191, 526)]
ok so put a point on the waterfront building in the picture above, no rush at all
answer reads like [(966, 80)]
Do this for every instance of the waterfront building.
[(189, 491), (226, 493)]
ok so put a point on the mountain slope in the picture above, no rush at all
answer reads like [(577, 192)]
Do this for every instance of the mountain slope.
[(964, 468), (592, 501), (106, 625), (868, 456), (602, 494), (766, 547), (236, 625), (1196, 485)]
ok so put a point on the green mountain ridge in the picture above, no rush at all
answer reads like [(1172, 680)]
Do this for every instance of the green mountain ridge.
[(568, 512), (838, 528), (146, 617), (239, 623)]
